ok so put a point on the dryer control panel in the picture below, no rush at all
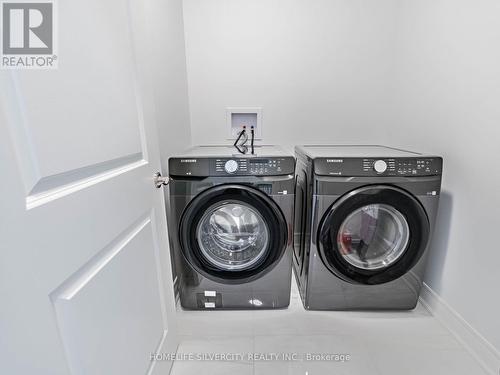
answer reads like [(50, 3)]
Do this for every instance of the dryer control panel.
[(415, 166)]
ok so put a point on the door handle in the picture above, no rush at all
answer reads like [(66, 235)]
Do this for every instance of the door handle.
[(160, 181)]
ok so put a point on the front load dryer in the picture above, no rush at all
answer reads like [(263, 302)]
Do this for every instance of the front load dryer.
[(230, 222), (364, 219)]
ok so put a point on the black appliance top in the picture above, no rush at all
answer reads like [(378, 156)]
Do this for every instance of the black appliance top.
[(369, 160)]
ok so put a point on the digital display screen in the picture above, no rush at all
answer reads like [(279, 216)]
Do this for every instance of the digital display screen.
[(259, 161)]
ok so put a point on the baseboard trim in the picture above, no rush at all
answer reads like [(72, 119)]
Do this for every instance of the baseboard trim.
[(480, 348)]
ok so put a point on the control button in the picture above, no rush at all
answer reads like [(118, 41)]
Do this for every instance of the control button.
[(380, 166), (231, 166)]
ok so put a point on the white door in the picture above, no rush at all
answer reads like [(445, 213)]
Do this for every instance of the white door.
[(85, 278)]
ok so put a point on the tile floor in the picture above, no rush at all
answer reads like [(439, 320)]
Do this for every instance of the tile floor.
[(383, 343)]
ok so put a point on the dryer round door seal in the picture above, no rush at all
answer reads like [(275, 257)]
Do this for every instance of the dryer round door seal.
[(373, 235)]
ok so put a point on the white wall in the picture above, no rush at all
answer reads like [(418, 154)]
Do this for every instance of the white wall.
[(421, 74), (168, 61), (448, 101), (319, 68)]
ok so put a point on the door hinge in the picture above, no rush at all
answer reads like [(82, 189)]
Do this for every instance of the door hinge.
[(160, 181)]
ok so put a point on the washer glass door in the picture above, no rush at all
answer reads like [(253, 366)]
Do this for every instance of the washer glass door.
[(232, 236)]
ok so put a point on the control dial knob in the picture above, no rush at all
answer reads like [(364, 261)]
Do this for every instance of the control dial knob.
[(231, 166), (380, 166)]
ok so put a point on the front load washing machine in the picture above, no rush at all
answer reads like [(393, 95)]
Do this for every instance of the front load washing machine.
[(230, 223), (364, 218)]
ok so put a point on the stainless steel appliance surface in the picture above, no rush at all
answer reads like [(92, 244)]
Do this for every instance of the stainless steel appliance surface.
[(230, 222), (364, 217)]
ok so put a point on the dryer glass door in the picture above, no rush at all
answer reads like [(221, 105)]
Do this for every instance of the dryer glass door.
[(373, 236), (232, 235)]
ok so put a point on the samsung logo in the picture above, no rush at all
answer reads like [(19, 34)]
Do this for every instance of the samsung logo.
[(188, 160), (334, 160)]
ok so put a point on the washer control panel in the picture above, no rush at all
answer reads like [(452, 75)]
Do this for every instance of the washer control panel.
[(233, 165), (415, 166), (252, 166)]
